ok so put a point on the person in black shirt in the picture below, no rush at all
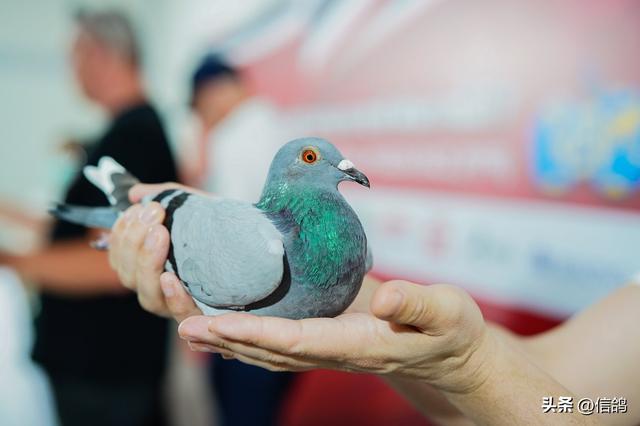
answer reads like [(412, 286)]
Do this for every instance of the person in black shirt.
[(105, 356)]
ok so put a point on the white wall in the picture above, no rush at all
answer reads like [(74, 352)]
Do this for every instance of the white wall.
[(38, 103)]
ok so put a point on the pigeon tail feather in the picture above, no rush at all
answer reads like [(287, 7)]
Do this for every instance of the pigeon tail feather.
[(91, 217), (112, 179)]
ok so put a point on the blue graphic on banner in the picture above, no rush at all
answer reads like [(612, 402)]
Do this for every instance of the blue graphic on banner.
[(596, 141)]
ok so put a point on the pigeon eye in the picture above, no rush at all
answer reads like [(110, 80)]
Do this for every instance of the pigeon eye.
[(309, 156)]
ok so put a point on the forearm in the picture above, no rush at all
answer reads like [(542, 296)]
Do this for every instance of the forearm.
[(512, 390), (428, 401), (594, 353), (69, 268)]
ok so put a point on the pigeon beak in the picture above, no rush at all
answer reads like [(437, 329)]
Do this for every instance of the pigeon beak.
[(353, 174)]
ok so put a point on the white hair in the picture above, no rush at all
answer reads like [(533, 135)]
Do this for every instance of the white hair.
[(113, 30)]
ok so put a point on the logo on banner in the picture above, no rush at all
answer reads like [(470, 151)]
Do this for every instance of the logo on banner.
[(596, 142)]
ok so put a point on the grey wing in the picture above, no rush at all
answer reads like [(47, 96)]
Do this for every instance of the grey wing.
[(227, 252)]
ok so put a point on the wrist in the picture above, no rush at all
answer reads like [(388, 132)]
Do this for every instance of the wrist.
[(484, 382), (474, 368)]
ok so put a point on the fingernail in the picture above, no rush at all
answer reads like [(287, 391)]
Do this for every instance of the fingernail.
[(167, 288), (151, 240), (149, 214)]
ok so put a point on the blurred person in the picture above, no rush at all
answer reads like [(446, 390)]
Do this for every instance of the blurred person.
[(108, 367), (239, 135), (238, 131), (429, 342)]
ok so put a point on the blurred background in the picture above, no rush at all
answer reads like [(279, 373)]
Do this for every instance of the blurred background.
[(501, 138)]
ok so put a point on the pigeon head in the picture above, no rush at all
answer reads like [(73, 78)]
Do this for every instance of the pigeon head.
[(313, 162)]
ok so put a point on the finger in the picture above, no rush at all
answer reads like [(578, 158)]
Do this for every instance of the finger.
[(121, 256), (363, 299), (254, 356), (149, 266), (217, 344), (196, 331), (318, 338), (271, 366), (429, 308), (179, 302), (132, 239), (258, 362), (141, 190), (207, 348)]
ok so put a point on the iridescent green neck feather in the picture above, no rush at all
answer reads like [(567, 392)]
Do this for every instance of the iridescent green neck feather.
[(319, 226)]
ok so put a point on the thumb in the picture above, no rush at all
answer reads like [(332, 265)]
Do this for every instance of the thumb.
[(179, 302), (432, 308)]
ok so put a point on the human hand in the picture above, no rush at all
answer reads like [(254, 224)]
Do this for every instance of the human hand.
[(433, 333), (138, 249), (362, 302)]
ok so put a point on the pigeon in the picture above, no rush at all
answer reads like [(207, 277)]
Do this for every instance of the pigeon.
[(299, 252)]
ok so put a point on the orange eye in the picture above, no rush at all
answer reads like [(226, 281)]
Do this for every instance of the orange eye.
[(309, 156)]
